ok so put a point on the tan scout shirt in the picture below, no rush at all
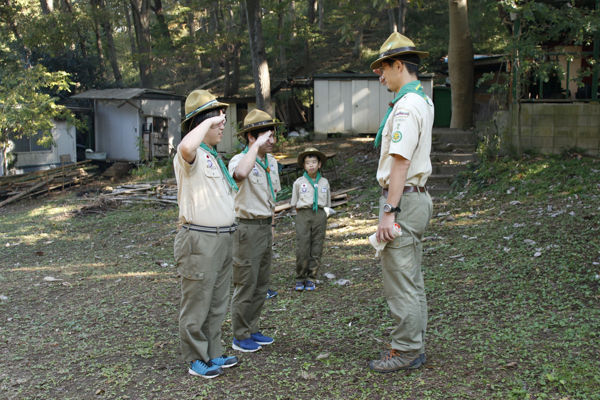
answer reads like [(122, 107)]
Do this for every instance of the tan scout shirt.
[(203, 193), (303, 193), (254, 199), (407, 132)]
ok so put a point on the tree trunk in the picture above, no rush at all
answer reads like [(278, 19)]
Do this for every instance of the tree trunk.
[(460, 65), (191, 21), (130, 32), (312, 11), (141, 20), (293, 19), (260, 67), (67, 7), (99, 49), (402, 10), (47, 6), (7, 15), (163, 27), (358, 42), (215, 58), (321, 15), (112, 52), (280, 26), (235, 79), (392, 17)]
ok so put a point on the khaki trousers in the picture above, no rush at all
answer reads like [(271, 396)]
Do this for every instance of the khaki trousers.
[(401, 269), (310, 236), (252, 253), (204, 261)]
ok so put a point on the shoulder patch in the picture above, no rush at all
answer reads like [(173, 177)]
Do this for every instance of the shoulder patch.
[(402, 113), (396, 136)]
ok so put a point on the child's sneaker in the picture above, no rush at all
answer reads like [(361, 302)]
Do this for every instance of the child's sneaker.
[(206, 370), (271, 293), (299, 286), (225, 361), (246, 345), (261, 339), (310, 285)]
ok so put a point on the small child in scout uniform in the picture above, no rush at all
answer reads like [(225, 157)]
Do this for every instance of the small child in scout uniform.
[(203, 247), (311, 193)]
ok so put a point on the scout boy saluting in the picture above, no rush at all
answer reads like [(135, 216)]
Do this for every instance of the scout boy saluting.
[(203, 248), (257, 176), (404, 166), (310, 194)]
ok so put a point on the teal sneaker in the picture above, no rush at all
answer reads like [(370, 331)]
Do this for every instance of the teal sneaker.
[(206, 370), (225, 361)]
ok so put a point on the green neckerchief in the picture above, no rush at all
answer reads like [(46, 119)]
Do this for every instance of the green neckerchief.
[(410, 87), (316, 187), (222, 165), (265, 166)]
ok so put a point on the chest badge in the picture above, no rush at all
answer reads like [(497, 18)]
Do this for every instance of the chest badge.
[(304, 188)]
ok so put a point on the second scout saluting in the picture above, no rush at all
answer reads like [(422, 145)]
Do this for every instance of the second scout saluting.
[(256, 174), (311, 193)]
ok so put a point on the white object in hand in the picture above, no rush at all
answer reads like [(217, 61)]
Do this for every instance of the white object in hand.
[(379, 246)]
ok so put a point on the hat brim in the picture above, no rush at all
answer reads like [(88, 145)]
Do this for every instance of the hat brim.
[(377, 63), (303, 155), (185, 125), (242, 134)]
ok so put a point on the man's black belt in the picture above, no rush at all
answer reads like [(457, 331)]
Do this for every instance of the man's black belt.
[(211, 229), (258, 221), (407, 189)]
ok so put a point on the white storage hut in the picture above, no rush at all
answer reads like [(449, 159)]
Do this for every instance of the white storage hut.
[(129, 120), (353, 103)]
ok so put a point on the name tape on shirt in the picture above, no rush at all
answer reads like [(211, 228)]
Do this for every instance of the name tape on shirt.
[(324, 189)]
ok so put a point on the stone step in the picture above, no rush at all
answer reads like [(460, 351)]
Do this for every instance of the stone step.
[(453, 157), (437, 190), (436, 179), (443, 147), (447, 169), (447, 135)]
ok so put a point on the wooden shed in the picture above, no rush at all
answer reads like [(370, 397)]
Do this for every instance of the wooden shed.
[(136, 123), (353, 103)]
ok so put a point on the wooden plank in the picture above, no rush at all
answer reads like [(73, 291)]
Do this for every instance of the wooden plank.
[(337, 193), (283, 207), (25, 193), (339, 203)]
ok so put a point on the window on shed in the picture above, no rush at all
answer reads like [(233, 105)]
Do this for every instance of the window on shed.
[(28, 144)]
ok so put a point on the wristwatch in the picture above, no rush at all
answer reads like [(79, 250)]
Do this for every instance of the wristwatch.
[(387, 208)]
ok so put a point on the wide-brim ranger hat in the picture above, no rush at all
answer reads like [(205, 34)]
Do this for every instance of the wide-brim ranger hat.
[(311, 151), (397, 44), (199, 101), (256, 119)]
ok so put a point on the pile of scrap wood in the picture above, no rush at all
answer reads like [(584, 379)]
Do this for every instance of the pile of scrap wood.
[(164, 192), (338, 198), (15, 187), (293, 112)]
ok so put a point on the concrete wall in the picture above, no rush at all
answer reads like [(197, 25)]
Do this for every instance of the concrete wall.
[(552, 128)]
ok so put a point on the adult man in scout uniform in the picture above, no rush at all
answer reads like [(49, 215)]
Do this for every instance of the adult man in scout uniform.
[(257, 176), (404, 166), (204, 246)]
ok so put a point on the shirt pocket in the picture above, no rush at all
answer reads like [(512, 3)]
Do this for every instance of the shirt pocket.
[(212, 173)]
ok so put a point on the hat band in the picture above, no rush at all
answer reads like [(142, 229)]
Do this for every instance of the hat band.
[(210, 103), (257, 124), (398, 50)]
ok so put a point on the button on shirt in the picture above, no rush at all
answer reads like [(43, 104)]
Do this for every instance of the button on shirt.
[(203, 193), (254, 199), (407, 132), (303, 193)]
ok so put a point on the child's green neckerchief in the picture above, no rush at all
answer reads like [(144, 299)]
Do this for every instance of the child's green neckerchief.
[(316, 187), (410, 87), (265, 166), (222, 165)]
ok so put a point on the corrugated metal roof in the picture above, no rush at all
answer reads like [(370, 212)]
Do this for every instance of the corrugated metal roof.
[(123, 94)]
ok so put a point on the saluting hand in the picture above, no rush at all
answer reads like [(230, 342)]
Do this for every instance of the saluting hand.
[(216, 121), (262, 139)]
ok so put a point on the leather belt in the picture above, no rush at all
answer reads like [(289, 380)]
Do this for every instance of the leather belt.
[(211, 229), (258, 221), (407, 189)]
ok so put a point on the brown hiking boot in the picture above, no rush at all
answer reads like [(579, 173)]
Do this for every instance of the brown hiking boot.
[(396, 360)]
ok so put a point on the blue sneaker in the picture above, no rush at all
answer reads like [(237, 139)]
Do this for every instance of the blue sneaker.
[(310, 285), (225, 361), (246, 345), (299, 286), (261, 339), (271, 294), (206, 370)]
